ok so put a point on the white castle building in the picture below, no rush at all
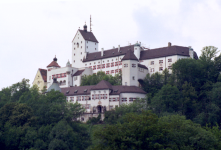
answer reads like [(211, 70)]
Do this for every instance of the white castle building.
[(134, 61)]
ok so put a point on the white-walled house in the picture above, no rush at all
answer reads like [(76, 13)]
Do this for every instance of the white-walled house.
[(101, 97), (133, 61)]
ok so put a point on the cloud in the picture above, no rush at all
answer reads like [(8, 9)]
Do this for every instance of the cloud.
[(32, 32)]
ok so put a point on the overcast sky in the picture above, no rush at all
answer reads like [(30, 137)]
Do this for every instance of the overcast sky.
[(33, 32)]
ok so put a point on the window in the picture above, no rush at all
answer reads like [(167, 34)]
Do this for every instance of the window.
[(87, 46), (125, 65), (79, 98), (152, 62), (116, 63), (72, 99), (111, 107), (124, 99), (161, 69), (170, 60), (112, 64), (107, 65), (133, 78), (93, 96), (160, 61), (112, 71), (85, 64), (120, 70), (103, 65), (110, 99), (131, 99), (98, 66), (105, 96), (81, 53), (77, 45), (94, 67), (116, 71), (134, 65), (107, 72), (81, 46), (95, 48), (74, 54), (83, 98), (95, 43), (117, 99), (120, 63), (74, 48), (169, 67)]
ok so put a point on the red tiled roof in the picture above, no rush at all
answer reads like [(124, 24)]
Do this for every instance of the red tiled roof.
[(102, 85), (108, 53), (79, 72), (145, 54), (142, 66), (130, 56), (53, 64), (43, 74), (115, 90), (89, 36), (164, 51)]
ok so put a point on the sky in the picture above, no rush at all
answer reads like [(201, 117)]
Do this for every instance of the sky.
[(32, 32)]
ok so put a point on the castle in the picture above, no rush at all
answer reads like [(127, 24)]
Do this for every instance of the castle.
[(133, 61)]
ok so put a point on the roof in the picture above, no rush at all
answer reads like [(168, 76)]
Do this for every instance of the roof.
[(164, 51), (144, 54), (53, 64), (195, 56), (142, 66), (102, 85), (79, 72), (43, 74), (108, 53), (85, 90), (54, 86), (89, 36), (77, 90), (126, 89), (130, 56)]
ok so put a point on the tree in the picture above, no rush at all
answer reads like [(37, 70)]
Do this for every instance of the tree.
[(167, 100), (147, 131), (189, 101), (153, 83), (96, 78)]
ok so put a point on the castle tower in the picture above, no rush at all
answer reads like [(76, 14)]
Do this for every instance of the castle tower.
[(130, 69), (137, 50), (84, 42)]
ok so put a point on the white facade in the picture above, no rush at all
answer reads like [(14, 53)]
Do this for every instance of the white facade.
[(130, 73), (80, 48)]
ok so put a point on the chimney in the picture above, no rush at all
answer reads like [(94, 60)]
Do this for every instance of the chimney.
[(102, 51), (169, 44), (118, 48)]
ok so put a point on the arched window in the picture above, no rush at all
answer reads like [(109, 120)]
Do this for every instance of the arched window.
[(77, 45)]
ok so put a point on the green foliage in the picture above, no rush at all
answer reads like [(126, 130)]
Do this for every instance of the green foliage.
[(30, 120), (168, 100), (96, 78), (147, 131), (114, 116)]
